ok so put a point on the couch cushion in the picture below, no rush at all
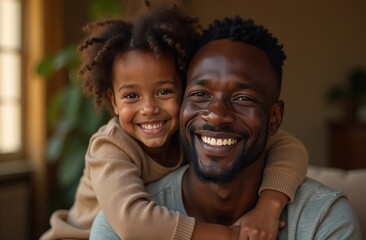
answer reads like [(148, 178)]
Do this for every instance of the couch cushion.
[(351, 182)]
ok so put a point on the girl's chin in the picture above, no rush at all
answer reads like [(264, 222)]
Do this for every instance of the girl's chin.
[(154, 144)]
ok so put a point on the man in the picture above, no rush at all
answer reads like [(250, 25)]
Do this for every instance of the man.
[(231, 105)]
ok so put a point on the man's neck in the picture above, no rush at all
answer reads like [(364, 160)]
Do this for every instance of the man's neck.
[(222, 204)]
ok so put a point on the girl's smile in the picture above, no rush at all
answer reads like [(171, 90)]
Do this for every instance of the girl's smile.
[(146, 96)]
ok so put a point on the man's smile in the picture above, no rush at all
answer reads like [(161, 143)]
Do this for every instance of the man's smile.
[(218, 141)]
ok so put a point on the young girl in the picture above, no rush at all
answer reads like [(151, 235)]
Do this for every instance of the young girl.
[(138, 69)]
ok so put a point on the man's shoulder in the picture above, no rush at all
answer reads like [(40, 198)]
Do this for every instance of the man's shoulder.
[(171, 180), (313, 189), (167, 191), (314, 196), (320, 212)]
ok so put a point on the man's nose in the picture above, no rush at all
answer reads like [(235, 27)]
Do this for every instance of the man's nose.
[(149, 107), (218, 113)]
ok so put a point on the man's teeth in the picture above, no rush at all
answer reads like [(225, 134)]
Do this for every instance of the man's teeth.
[(152, 126), (218, 141)]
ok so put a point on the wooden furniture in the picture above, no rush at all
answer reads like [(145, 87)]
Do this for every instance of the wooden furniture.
[(347, 145)]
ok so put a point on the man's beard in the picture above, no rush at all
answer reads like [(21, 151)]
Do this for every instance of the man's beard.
[(239, 163)]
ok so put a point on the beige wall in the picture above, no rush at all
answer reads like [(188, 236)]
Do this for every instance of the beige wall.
[(323, 40)]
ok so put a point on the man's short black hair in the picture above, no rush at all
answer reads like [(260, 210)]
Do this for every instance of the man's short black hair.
[(238, 29)]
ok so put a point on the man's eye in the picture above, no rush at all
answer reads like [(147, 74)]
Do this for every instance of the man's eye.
[(164, 92), (244, 98), (198, 94)]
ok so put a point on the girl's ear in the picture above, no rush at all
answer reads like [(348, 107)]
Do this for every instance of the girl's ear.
[(275, 117), (113, 100)]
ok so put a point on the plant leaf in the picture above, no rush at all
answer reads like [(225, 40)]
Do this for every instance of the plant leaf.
[(69, 193), (104, 8), (57, 141), (72, 164), (54, 108), (45, 66), (72, 98), (68, 57), (90, 119)]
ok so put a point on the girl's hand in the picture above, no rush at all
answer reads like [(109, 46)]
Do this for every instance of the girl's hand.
[(263, 221)]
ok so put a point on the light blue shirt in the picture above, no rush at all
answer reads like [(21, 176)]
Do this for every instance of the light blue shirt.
[(318, 212)]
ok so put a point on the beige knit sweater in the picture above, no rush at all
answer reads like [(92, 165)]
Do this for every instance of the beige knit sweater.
[(116, 169)]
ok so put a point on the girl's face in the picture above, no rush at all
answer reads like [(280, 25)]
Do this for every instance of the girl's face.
[(146, 96)]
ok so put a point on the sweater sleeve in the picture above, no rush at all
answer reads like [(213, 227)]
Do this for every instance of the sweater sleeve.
[(286, 164), (117, 182)]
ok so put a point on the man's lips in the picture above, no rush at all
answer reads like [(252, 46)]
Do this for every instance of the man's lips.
[(214, 149), (219, 141)]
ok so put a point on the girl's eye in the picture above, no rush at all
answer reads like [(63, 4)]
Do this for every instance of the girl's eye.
[(130, 96)]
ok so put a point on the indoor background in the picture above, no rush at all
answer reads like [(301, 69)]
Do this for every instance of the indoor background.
[(324, 41)]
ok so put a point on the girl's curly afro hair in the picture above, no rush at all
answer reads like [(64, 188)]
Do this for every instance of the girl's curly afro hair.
[(162, 29)]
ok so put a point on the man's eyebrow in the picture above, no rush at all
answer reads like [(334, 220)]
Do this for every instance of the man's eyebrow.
[(238, 85), (200, 81), (241, 85)]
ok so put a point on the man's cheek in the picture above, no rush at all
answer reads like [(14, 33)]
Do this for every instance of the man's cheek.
[(186, 114)]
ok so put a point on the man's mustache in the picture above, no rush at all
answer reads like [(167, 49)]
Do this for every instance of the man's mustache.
[(212, 128)]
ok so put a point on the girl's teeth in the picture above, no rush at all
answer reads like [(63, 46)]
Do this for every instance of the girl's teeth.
[(152, 126), (218, 141)]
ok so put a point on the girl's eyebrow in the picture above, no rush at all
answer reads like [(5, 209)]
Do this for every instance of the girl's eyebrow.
[(132, 85), (170, 81), (126, 85)]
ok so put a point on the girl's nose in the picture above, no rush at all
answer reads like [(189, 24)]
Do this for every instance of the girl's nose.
[(149, 108)]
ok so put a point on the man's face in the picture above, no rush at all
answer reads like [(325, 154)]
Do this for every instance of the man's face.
[(229, 107)]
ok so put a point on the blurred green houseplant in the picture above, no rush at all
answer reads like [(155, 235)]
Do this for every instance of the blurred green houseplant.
[(71, 115), (351, 95)]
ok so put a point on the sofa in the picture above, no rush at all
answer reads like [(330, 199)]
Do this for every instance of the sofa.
[(351, 182)]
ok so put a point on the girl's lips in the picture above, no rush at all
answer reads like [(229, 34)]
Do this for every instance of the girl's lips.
[(152, 126)]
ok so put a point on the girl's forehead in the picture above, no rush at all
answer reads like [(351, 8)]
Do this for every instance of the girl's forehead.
[(145, 56), (139, 67)]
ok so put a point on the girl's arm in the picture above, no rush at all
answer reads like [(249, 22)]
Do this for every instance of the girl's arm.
[(116, 177), (286, 166), (285, 170)]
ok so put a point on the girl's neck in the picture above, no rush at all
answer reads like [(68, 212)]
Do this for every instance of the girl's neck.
[(167, 155)]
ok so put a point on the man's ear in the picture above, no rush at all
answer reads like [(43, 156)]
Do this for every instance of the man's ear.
[(276, 115), (113, 100)]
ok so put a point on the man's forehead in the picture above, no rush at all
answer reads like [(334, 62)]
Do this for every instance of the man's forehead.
[(228, 47), (238, 55)]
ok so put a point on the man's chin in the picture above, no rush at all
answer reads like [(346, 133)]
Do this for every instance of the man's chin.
[(214, 173)]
